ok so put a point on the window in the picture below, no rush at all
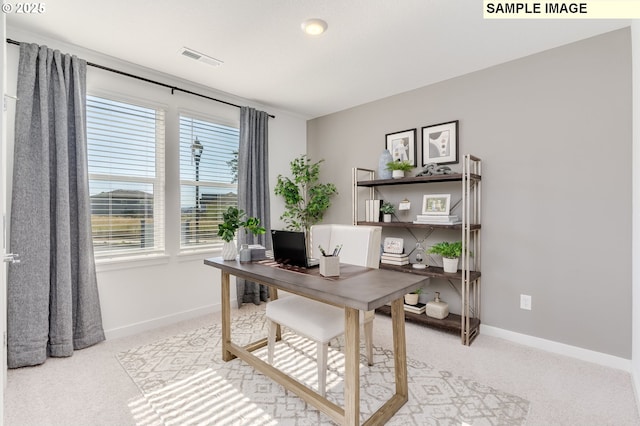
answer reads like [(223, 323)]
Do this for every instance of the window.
[(208, 179), (126, 177)]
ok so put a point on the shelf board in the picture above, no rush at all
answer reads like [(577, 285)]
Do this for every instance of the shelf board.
[(458, 227), (456, 177), (452, 323), (431, 271)]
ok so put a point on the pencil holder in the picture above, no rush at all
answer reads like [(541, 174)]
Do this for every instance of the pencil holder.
[(330, 266)]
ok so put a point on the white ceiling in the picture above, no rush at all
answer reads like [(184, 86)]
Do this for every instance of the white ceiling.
[(372, 48)]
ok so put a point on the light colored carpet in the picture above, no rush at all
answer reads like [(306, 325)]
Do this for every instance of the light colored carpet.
[(183, 380)]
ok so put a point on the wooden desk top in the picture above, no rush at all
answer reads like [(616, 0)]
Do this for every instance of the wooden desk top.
[(357, 287)]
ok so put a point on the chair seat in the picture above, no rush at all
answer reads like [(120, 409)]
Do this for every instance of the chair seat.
[(315, 320)]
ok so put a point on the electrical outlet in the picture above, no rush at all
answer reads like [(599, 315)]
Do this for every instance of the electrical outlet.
[(525, 302)]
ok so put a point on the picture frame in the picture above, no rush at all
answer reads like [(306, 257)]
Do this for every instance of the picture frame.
[(393, 245), (436, 204), (402, 145), (440, 143)]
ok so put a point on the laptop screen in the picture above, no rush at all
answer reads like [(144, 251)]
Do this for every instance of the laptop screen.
[(289, 248)]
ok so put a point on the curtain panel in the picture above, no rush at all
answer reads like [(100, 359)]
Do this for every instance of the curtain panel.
[(253, 191), (53, 305)]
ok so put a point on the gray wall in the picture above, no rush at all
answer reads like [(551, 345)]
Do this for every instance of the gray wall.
[(554, 132)]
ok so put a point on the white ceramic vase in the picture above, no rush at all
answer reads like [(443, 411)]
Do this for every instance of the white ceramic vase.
[(229, 250), (386, 217), (450, 265), (397, 174)]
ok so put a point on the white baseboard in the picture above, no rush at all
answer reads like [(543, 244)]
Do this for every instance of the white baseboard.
[(142, 326), (559, 348)]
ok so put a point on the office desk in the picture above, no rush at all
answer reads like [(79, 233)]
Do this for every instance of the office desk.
[(357, 288)]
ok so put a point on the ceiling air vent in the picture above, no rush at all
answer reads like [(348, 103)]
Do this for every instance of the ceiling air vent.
[(190, 53)]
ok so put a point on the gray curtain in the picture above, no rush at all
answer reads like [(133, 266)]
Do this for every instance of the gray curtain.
[(52, 294), (253, 190)]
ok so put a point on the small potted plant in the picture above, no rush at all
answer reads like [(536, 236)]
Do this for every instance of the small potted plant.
[(398, 168), (412, 298), (234, 219), (450, 253), (387, 210)]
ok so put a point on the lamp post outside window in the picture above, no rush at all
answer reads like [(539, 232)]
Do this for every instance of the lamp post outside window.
[(196, 152)]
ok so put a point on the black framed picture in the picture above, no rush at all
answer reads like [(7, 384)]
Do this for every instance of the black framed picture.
[(402, 146), (440, 143)]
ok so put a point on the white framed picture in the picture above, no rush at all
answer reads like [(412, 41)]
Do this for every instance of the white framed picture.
[(436, 204), (393, 245)]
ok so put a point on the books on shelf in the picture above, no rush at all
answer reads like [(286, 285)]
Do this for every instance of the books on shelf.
[(394, 262), (437, 220), (394, 258), (418, 308), (372, 210)]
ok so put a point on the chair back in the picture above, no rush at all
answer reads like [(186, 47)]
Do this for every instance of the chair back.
[(360, 244)]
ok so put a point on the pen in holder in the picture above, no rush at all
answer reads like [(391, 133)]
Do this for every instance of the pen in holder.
[(330, 266)]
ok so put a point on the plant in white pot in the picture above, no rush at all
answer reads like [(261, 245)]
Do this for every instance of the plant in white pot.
[(234, 219), (450, 253), (398, 168), (412, 298), (387, 209)]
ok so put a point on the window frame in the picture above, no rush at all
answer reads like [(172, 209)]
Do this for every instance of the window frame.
[(158, 183), (217, 120)]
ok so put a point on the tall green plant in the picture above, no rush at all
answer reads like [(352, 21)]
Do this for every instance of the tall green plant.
[(305, 198)]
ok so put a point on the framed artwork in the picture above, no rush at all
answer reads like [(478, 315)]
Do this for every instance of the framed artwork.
[(393, 245), (436, 204), (402, 146), (440, 143)]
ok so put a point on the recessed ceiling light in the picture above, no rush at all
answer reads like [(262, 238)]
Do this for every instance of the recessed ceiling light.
[(314, 26)]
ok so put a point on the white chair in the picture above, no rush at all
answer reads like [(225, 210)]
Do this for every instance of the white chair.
[(319, 321)]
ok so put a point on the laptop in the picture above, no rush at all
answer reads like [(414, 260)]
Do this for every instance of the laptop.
[(289, 248)]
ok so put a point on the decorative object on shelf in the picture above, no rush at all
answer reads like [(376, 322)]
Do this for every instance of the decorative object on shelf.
[(412, 298), (450, 253), (402, 146), (232, 220), (229, 250), (437, 308), (433, 169), (440, 143), (244, 253), (404, 205), (393, 245), (399, 168), (419, 257), (436, 204), (258, 252), (387, 209), (305, 199), (385, 157)]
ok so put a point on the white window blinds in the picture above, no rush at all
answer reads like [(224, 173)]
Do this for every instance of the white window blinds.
[(126, 177), (208, 179)]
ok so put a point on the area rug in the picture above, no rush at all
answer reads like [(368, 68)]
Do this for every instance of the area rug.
[(183, 381)]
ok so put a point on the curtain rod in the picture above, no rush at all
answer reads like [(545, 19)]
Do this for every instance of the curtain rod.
[(137, 77)]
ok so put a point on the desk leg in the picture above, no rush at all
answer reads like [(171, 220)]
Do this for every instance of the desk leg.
[(352, 367), (400, 348), (226, 317), (273, 295)]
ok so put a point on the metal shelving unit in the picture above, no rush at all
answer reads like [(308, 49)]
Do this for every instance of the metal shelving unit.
[(467, 281)]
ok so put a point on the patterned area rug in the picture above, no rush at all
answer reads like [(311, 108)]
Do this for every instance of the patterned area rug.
[(184, 381)]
